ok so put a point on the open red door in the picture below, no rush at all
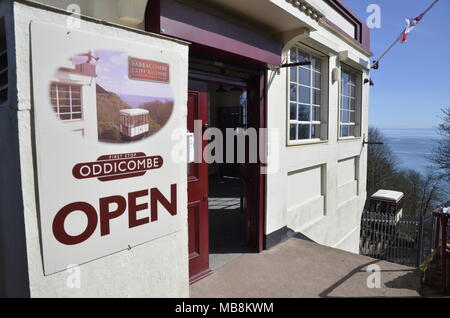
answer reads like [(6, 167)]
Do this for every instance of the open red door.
[(254, 180), (198, 190)]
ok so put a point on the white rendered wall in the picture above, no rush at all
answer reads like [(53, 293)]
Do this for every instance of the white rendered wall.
[(155, 269), (337, 167)]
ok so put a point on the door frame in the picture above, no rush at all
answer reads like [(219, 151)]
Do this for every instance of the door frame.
[(258, 80)]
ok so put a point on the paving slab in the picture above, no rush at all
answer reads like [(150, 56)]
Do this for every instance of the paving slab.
[(299, 268)]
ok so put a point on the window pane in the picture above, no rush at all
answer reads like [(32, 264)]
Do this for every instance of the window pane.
[(293, 72), (293, 55), (76, 116), (352, 78), (63, 94), (304, 112), (351, 131), (344, 131), (345, 116), (303, 57), (64, 109), (345, 103), (353, 104), (293, 92), (64, 101), (293, 132), (305, 76), (64, 116), (315, 113), (316, 97), (315, 131), (293, 111), (76, 93), (76, 102), (303, 131), (305, 95), (345, 90), (345, 78), (352, 91), (353, 117), (315, 64), (316, 82)]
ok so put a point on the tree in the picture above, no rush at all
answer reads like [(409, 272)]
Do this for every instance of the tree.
[(441, 154), (384, 172), (381, 163)]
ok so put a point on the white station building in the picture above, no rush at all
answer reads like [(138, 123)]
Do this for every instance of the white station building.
[(128, 217)]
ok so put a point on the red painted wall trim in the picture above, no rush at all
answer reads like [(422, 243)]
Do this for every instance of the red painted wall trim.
[(171, 18), (207, 38), (362, 32)]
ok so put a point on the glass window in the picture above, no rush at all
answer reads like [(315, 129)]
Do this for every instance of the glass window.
[(66, 101), (305, 100), (348, 119)]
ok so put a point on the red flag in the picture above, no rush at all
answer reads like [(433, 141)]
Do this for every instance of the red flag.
[(412, 23)]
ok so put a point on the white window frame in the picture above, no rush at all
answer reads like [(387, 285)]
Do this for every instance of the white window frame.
[(357, 100), (323, 93), (57, 99)]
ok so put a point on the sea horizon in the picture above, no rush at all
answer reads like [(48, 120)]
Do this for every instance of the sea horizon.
[(411, 146)]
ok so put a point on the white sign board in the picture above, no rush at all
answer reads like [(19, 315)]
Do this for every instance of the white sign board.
[(104, 113)]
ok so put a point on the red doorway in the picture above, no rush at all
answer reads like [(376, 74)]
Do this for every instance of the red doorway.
[(198, 190), (253, 182), (242, 48)]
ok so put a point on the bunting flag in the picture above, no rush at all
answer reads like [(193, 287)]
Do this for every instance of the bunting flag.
[(411, 24)]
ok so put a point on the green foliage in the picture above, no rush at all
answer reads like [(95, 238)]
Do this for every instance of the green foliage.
[(153, 126), (159, 112), (108, 116)]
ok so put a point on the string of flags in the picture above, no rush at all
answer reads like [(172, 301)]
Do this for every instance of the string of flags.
[(402, 38)]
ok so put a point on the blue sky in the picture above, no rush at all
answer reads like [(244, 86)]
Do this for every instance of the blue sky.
[(413, 81)]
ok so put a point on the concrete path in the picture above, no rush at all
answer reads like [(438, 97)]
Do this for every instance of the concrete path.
[(298, 268)]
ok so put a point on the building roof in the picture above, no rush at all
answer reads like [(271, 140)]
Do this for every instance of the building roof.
[(387, 195), (134, 111)]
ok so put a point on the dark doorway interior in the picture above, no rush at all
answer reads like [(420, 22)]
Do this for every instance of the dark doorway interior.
[(233, 222), (226, 197)]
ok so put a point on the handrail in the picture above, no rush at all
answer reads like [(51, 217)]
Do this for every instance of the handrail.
[(440, 240)]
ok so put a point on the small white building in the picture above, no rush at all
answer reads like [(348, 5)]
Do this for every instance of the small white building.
[(304, 66), (73, 96)]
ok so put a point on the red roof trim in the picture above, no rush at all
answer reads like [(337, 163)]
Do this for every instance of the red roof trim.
[(362, 32)]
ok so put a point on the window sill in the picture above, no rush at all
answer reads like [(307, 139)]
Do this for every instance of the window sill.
[(343, 139), (306, 142), (71, 120)]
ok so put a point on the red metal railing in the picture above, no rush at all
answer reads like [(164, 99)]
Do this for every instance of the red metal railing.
[(441, 240)]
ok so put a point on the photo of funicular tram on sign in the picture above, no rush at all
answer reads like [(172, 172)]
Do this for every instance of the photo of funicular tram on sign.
[(97, 96), (134, 123)]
